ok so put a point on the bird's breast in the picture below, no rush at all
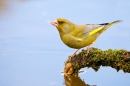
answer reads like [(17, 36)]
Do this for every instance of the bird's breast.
[(73, 42)]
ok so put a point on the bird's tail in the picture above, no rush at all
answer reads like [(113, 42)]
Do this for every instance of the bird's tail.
[(112, 23), (109, 25)]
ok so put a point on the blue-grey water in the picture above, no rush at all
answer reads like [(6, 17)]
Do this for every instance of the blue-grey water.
[(32, 54)]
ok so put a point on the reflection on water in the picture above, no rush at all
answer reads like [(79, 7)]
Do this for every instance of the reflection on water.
[(74, 80)]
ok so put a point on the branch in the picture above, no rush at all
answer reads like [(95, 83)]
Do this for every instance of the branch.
[(117, 59)]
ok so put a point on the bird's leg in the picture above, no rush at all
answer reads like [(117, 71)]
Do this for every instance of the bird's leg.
[(88, 49), (73, 54)]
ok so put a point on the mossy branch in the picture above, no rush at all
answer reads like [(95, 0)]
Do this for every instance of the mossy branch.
[(118, 59)]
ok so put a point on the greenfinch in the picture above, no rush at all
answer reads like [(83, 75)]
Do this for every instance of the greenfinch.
[(79, 36)]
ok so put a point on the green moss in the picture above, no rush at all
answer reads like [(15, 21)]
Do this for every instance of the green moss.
[(118, 59)]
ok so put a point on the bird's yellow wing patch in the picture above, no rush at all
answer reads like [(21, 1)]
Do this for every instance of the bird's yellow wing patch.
[(95, 31)]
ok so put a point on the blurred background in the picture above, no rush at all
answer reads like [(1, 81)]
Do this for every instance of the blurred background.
[(31, 52)]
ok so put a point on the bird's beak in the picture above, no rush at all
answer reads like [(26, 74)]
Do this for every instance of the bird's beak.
[(54, 23)]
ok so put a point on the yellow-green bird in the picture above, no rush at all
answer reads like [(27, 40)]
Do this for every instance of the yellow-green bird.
[(79, 36)]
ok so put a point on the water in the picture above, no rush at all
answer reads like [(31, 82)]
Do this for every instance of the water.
[(32, 54)]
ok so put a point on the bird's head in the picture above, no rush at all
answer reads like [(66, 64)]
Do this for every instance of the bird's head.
[(63, 25)]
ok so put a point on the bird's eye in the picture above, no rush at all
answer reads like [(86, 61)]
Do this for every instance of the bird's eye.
[(61, 22)]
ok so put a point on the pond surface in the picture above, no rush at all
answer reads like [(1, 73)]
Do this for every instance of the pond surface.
[(32, 54)]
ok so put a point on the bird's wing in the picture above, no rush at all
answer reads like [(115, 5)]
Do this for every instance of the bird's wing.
[(92, 29), (82, 31)]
